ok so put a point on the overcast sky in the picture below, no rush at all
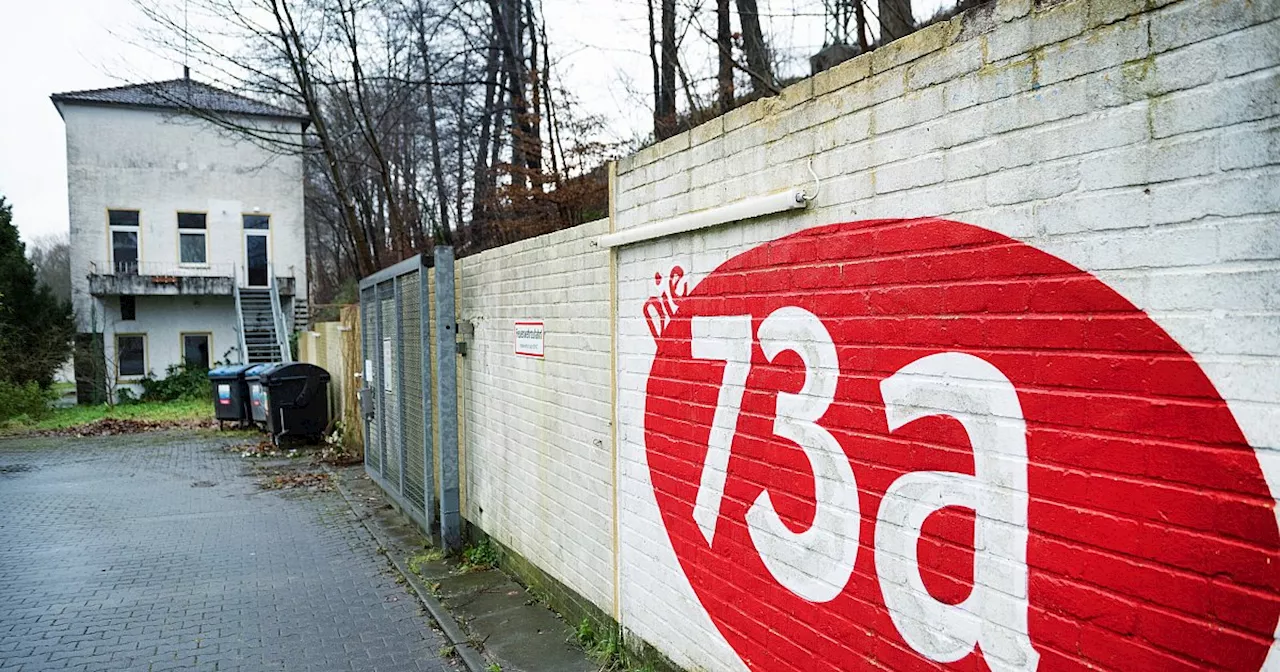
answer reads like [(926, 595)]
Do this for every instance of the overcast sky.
[(48, 46)]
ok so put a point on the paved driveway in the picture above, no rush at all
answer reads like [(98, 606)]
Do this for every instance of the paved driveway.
[(159, 551)]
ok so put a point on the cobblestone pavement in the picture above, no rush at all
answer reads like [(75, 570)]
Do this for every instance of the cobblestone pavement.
[(159, 552)]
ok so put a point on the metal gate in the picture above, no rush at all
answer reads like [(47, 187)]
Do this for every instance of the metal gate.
[(416, 467)]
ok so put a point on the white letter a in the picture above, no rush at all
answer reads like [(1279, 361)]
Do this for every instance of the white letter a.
[(994, 615)]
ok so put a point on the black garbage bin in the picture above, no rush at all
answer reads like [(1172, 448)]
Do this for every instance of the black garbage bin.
[(256, 399), (230, 396), (296, 400)]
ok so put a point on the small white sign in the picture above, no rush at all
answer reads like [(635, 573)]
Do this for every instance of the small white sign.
[(529, 338), (386, 364)]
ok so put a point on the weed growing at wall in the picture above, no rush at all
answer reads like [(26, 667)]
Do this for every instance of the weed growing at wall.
[(479, 557), (607, 649)]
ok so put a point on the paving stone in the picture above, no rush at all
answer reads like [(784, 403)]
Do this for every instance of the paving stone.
[(111, 559)]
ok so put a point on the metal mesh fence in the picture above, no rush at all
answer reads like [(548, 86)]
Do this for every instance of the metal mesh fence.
[(411, 346), (368, 320), (391, 393), (395, 311)]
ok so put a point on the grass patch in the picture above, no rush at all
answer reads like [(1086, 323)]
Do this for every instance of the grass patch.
[(417, 562), (168, 412)]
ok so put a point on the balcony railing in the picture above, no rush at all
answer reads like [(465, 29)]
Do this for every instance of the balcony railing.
[(161, 269), (161, 277)]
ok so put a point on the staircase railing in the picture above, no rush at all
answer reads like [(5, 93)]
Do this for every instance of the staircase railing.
[(244, 348), (277, 316)]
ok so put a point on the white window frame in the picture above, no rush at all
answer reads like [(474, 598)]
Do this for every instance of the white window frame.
[(191, 232)]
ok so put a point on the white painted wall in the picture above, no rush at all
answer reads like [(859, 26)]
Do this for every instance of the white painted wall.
[(538, 456), (163, 319), (160, 163)]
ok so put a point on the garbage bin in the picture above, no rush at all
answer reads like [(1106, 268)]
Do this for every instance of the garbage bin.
[(256, 400), (230, 396), (296, 400)]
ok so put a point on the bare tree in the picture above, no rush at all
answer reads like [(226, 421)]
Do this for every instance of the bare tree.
[(51, 257)]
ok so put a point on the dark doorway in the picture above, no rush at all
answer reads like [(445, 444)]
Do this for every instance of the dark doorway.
[(255, 250)]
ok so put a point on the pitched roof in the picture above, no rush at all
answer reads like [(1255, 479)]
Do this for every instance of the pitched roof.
[(178, 94)]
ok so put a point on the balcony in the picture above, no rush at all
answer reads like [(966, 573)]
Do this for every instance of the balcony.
[(147, 278)]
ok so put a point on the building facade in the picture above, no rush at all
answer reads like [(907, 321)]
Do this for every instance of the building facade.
[(187, 237)]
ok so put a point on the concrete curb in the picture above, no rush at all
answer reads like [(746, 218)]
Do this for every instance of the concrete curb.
[(453, 633)]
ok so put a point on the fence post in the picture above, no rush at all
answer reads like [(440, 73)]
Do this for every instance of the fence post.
[(366, 370), (447, 393), (428, 455), (399, 373), (381, 388)]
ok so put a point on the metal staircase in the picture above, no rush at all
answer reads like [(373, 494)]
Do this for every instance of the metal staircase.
[(263, 332)]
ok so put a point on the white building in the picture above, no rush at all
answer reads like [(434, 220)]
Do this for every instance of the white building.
[(187, 239)]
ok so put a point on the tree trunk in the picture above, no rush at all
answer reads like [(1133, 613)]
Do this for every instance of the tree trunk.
[(510, 32), (895, 20), (657, 77), (433, 130), (753, 44), (861, 17), (533, 120), (667, 93), (725, 46), (489, 116)]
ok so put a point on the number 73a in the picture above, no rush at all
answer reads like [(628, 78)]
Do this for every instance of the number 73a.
[(816, 564)]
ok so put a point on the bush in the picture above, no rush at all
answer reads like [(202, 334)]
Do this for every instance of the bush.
[(180, 382), (29, 399)]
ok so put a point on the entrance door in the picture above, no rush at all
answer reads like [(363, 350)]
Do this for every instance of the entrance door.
[(256, 256)]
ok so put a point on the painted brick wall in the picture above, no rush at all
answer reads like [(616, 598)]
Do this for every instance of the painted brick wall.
[(537, 447), (1086, 352)]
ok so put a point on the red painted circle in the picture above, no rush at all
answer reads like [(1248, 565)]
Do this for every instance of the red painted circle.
[(1152, 536)]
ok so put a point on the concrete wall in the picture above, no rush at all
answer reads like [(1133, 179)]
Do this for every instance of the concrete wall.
[(1086, 352), (537, 448), (160, 163)]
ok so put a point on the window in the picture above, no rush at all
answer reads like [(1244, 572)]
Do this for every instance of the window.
[(131, 354), (124, 240), (257, 221), (128, 308), (195, 350), (192, 243), (123, 218)]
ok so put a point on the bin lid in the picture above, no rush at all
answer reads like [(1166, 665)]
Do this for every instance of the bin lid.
[(255, 371), (230, 371), (282, 370)]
